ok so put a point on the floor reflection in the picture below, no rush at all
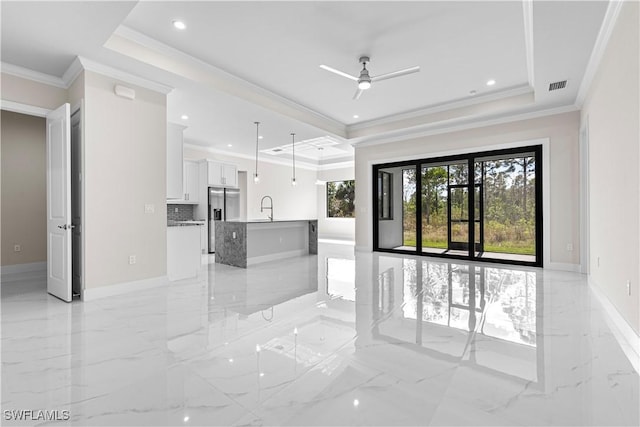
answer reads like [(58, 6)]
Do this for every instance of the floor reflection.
[(460, 311), (340, 338)]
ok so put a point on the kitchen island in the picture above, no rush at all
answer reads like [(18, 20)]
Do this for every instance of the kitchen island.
[(244, 243)]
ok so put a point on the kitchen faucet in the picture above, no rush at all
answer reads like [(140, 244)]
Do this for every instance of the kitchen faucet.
[(262, 207)]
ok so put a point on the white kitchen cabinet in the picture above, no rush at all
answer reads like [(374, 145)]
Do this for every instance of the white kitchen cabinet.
[(175, 165), (214, 171), (229, 175), (183, 252), (222, 174), (191, 182)]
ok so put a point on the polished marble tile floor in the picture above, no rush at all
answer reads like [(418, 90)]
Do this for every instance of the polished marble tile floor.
[(333, 339)]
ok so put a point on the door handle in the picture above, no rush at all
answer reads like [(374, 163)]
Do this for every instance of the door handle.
[(66, 226)]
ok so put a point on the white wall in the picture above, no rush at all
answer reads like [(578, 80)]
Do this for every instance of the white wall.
[(334, 228), (32, 93), (125, 168), (562, 130), (24, 196), (612, 113), (289, 202)]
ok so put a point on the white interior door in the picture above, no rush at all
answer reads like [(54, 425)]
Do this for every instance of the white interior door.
[(59, 203)]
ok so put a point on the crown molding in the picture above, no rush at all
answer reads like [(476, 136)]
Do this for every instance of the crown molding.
[(77, 66), (337, 165), (263, 159), (115, 73), (458, 125), (36, 76), (445, 106), (608, 24), (229, 83), (72, 73)]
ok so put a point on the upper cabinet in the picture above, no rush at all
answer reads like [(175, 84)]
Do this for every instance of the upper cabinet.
[(222, 174), (191, 182), (175, 172)]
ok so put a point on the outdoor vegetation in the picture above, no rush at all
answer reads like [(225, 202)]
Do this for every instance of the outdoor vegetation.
[(509, 204), (340, 199)]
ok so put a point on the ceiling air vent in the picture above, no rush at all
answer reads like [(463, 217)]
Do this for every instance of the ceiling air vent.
[(277, 150), (557, 85)]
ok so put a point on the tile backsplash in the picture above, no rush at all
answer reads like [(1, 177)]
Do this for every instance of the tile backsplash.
[(179, 212)]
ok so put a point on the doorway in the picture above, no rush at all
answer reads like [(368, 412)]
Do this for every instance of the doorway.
[(485, 206), (34, 242)]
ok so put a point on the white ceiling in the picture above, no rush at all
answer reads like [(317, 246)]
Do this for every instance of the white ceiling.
[(240, 62)]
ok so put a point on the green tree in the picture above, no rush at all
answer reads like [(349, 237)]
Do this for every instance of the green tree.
[(341, 199)]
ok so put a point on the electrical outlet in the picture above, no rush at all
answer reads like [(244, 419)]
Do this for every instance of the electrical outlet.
[(175, 210), (149, 208), (281, 240), (17, 248), (569, 247), (629, 287), (132, 259), (233, 234)]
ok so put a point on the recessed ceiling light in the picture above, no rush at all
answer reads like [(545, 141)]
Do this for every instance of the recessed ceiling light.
[(260, 137), (355, 116), (491, 82), (229, 145), (184, 117), (179, 25)]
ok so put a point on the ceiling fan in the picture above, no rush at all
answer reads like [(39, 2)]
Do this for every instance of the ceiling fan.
[(364, 79)]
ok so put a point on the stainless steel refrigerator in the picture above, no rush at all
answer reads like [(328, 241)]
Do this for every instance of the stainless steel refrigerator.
[(224, 205)]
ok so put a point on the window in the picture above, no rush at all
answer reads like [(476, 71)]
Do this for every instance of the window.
[(340, 199), (385, 195), (481, 205)]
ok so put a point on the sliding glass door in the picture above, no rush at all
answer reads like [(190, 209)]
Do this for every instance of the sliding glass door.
[(480, 206)]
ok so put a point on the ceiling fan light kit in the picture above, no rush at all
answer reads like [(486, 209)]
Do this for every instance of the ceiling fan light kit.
[(364, 80)]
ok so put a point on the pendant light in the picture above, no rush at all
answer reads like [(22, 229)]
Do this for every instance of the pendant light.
[(256, 178), (293, 148)]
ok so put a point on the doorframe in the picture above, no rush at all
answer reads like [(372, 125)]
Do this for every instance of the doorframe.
[(74, 109), (546, 192), (33, 110)]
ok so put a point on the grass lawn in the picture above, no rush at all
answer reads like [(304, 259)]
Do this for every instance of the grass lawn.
[(506, 247)]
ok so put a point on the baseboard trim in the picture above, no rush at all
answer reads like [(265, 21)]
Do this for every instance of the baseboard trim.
[(336, 241), (123, 288), (276, 256), (24, 268), (628, 339), (562, 266)]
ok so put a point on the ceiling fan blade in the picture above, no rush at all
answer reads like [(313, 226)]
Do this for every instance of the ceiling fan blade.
[(338, 72), (395, 74), (358, 93)]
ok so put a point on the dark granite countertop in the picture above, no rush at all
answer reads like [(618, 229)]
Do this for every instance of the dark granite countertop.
[(266, 221), (184, 223)]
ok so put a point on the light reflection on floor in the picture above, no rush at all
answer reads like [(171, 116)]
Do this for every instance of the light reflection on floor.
[(334, 339)]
